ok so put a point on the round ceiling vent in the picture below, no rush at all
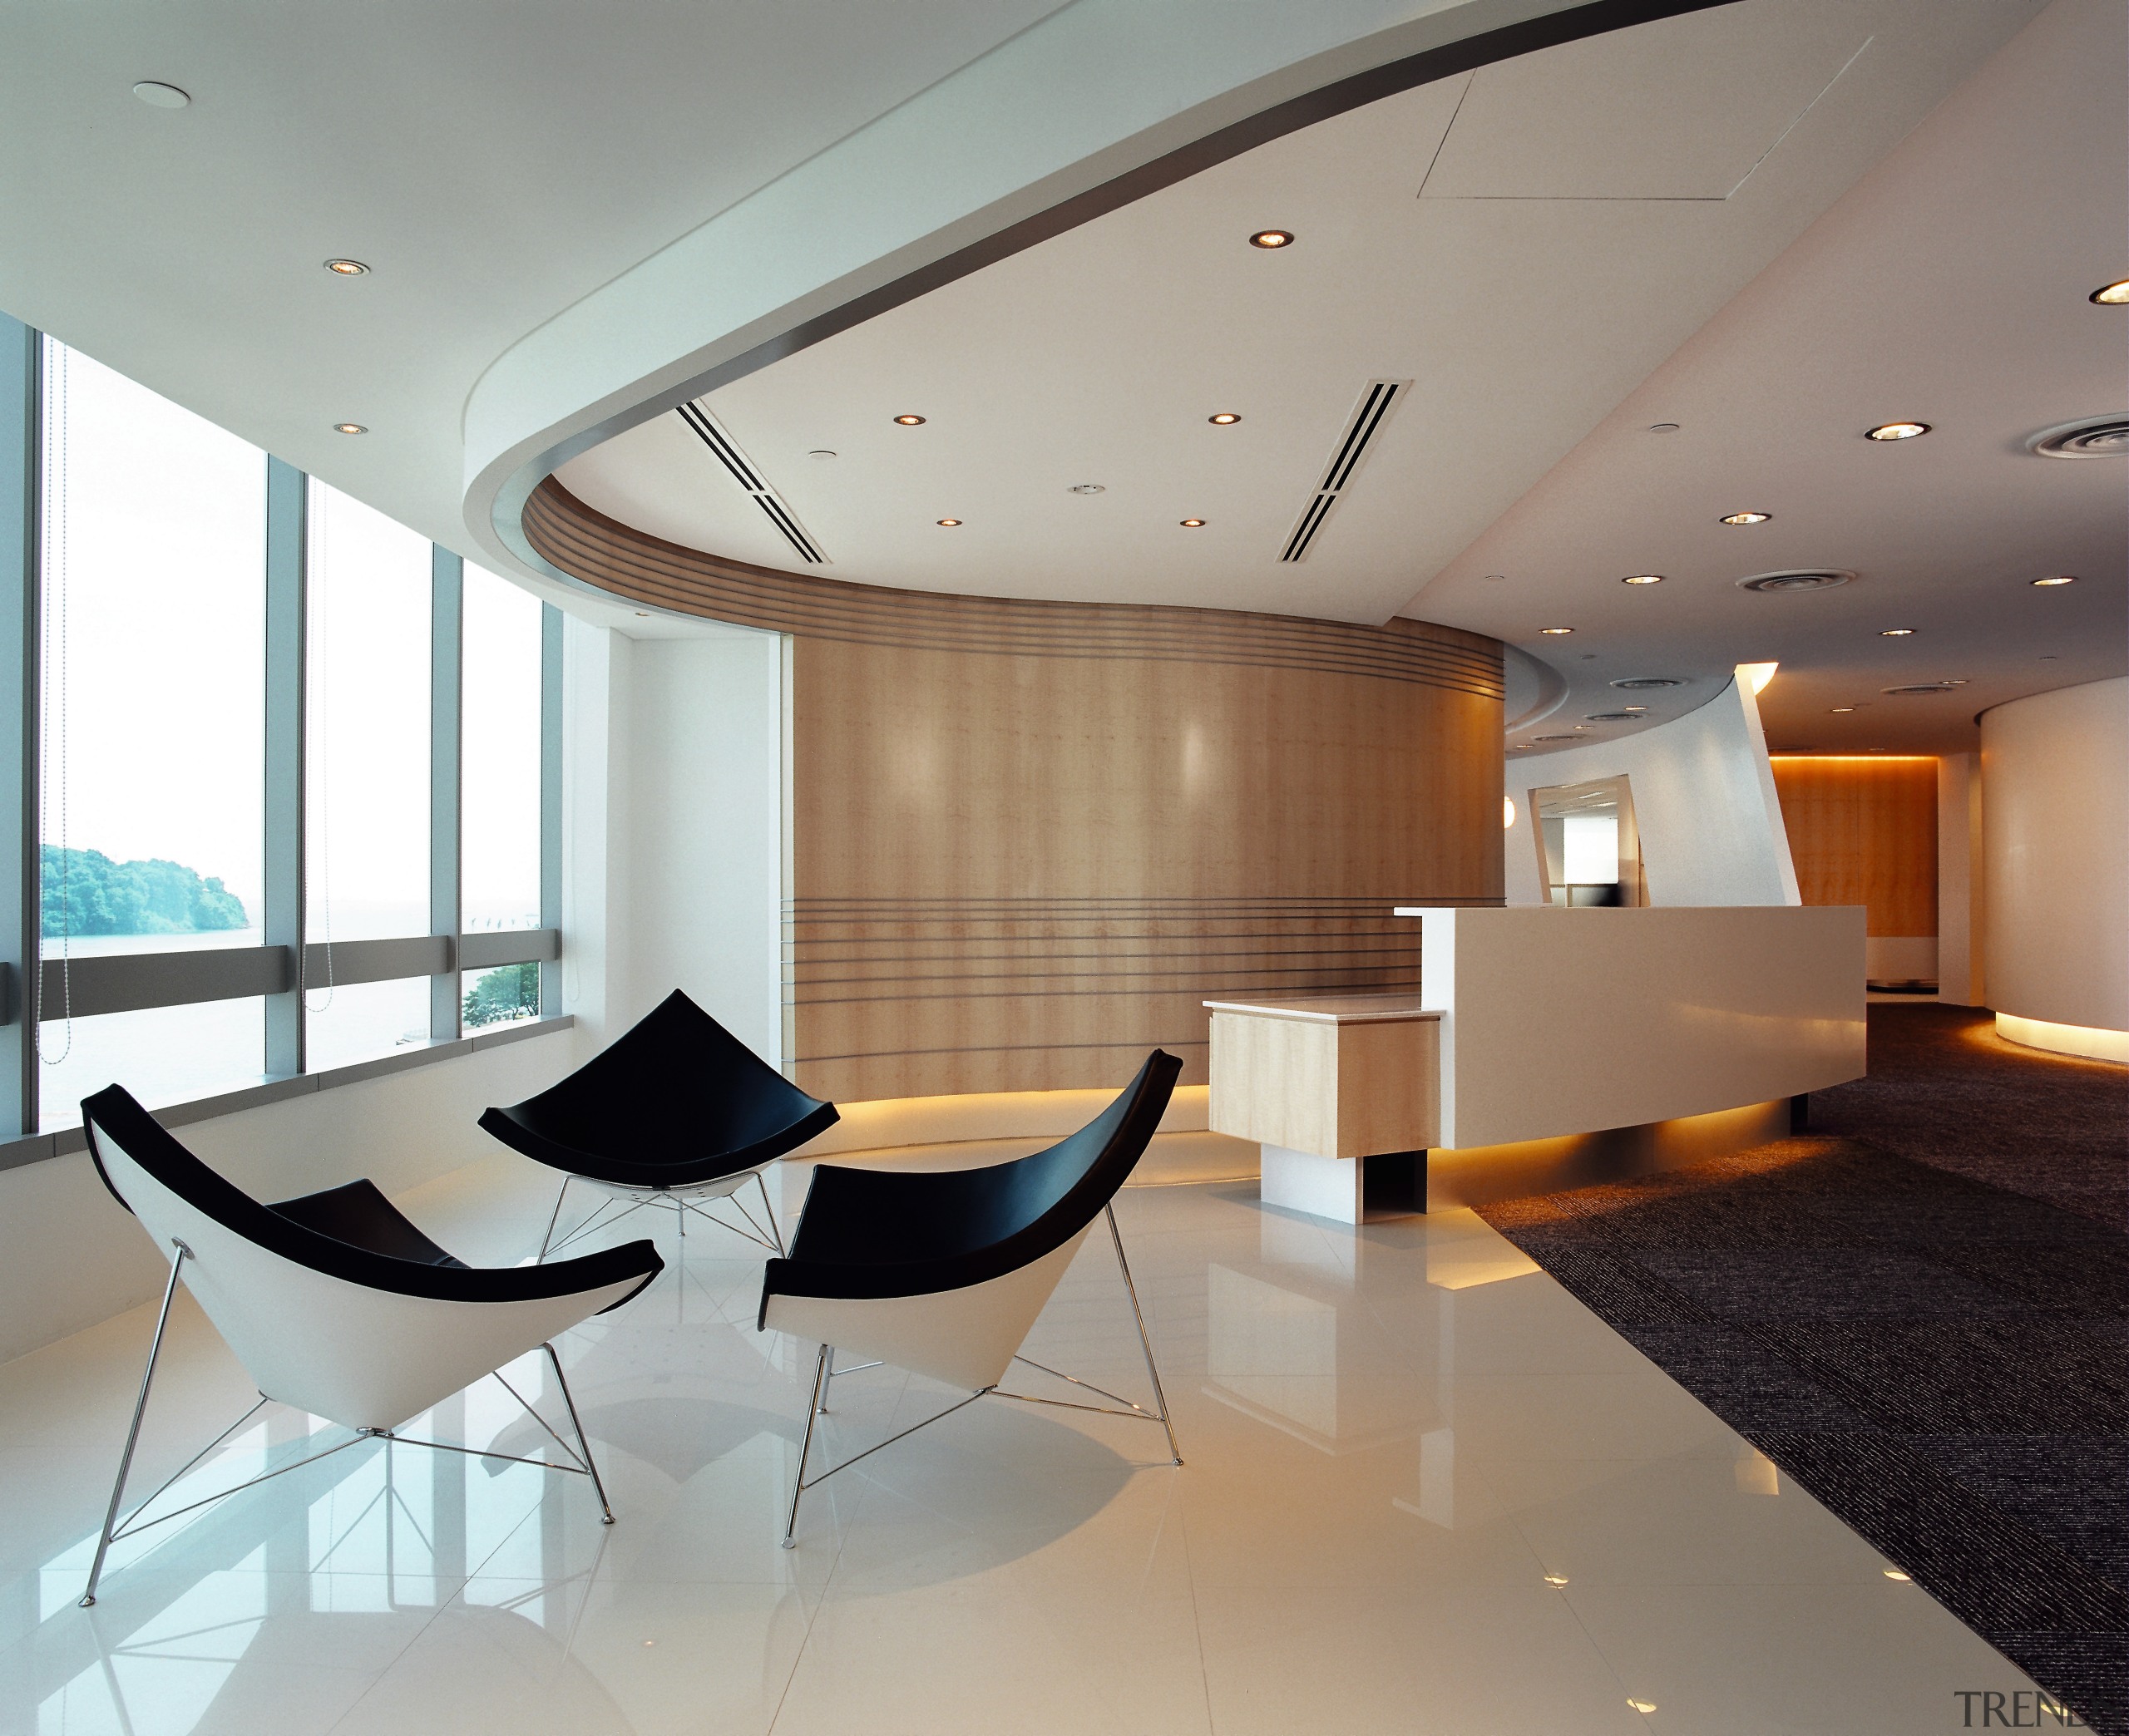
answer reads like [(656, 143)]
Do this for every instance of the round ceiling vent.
[(2094, 436), (1088, 488), (1556, 738), (1635, 684), (1632, 717), (1925, 687), (1810, 579)]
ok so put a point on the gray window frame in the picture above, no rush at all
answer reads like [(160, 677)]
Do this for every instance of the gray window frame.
[(279, 969)]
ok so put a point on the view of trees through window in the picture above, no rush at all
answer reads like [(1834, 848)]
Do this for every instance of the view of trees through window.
[(152, 711)]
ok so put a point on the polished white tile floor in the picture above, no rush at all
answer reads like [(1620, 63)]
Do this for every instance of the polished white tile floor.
[(1425, 1492)]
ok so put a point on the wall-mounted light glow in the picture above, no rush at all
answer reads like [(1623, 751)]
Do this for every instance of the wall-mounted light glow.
[(1225, 419), (2112, 295), (1642, 579), (349, 428), (1508, 813), (1896, 632), (949, 523), (911, 421), (2057, 579), (1555, 632), (1757, 675), (1744, 518), (1273, 238), (1897, 430)]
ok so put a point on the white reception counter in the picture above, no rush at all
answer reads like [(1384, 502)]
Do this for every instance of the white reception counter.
[(1559, 1047)]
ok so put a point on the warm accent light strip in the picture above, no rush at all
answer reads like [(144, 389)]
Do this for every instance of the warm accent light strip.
[(2092, 1042)]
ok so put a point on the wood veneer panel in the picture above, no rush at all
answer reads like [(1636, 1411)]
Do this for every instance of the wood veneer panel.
[(1863, 831), (1029, 839)]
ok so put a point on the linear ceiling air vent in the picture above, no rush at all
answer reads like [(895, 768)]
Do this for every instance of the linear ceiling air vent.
[(750, 479), (1378, 399)]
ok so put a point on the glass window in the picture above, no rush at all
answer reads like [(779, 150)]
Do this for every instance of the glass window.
[(367, 856), (501, 996), (161, 1054), (500, 830), (154, 580), (361, 1021)]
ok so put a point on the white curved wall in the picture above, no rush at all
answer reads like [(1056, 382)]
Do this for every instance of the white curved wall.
[(1703, 797), (2055, 845)]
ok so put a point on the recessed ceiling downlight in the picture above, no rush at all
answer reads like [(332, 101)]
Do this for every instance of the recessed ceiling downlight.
[(1552, 738), (162, 96), (2090, 437), (948, 523), (347, 268), (2053, 578), (349, 428), (1224, 419), (1896, 632), (1088, 488), (1642, 579), (1744, 518), (1193, 524), (910, 421), (2112, 295), (1637, 715), (1637, 684), (1273, 238), (1800, 578), (1556, 632), (1897, 430), (1924, 687)]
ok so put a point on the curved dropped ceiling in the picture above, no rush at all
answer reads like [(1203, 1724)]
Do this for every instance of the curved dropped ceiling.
[(689, 319), (1029, 838)]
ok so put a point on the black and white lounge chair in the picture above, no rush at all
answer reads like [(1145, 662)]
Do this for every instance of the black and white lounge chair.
[(677, 1112), (337, 1304), (945, 1273)]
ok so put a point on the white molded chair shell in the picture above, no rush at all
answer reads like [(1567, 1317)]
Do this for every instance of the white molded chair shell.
[(944, 1272), (363, 1338)]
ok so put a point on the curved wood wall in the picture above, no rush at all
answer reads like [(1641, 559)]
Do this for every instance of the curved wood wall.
[(1029, 838)]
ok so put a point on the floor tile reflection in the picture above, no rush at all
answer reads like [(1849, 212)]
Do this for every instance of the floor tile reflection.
[(1425, 1491)]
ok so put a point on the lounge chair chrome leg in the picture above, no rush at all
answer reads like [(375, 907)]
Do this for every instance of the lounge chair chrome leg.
[(1145, 1344), (133, 1434), (805, 1446), (821, 1398), (554, 1217), (590, 1464), (769, 1211)]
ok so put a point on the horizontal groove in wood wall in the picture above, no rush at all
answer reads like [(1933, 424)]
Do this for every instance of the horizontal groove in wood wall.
[(604, 552)]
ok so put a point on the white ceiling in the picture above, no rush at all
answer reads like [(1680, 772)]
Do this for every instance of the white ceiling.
[(1655, 224), (1949, 287), (493, 163), (1528, 245)]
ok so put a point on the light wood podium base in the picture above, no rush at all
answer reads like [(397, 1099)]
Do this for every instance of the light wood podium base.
[(1346, 1189)]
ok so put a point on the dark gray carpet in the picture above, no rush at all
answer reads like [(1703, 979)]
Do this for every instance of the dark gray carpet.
[(1941, 1360)]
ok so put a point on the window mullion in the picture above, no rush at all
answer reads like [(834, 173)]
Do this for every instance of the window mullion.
[(287, 508), (447, 775), (21, 940), (550, 798)]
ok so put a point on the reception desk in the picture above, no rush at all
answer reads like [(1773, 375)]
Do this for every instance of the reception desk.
[(1545, 1048)]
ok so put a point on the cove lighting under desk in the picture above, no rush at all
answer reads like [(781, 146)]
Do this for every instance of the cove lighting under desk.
[(1545, 1048)]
